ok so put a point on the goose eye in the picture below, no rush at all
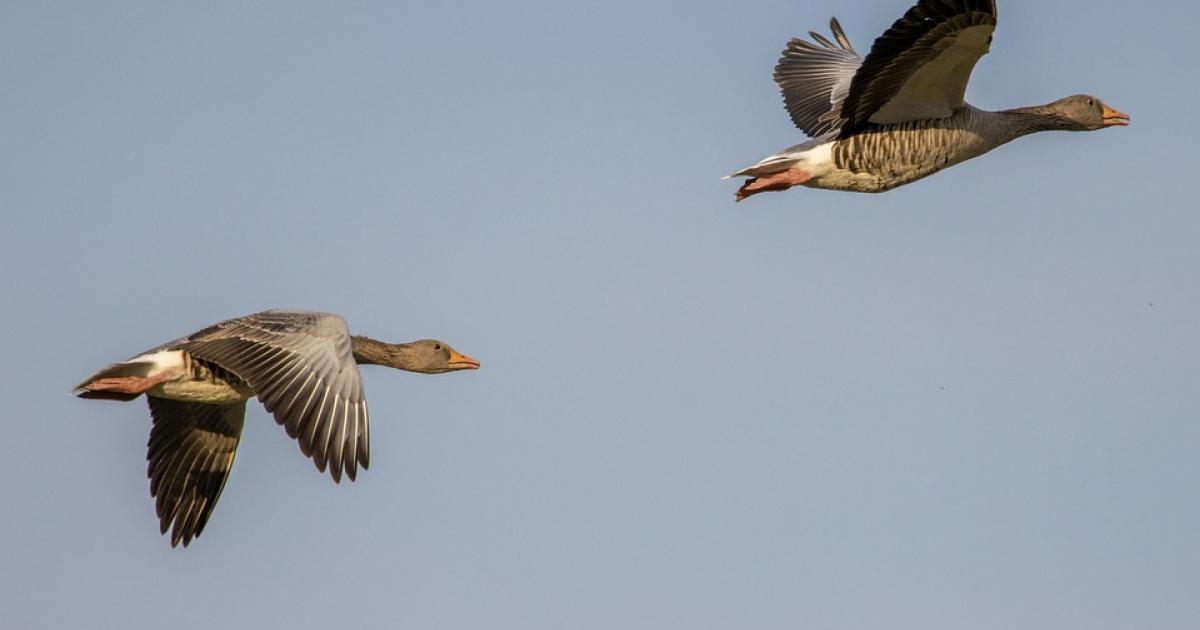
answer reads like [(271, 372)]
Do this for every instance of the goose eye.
[(437, 346), (1091, 102)]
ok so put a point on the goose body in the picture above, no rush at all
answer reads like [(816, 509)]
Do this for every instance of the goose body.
[(302, 365), (887, 156), (899, 115)]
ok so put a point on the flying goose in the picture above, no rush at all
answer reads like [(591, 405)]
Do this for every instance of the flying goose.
[(899, 115), (302, 366)]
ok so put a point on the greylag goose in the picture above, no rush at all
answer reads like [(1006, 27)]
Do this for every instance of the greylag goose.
[(301, 365), (899, 115)]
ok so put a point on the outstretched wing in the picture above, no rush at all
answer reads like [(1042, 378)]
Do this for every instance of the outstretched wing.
[(815, 78), (189, 456), (920, 67), (301, 366)]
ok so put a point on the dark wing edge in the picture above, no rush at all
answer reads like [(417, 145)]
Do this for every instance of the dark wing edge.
[(189, 455), (814, 79), (924, 33), (301, 367)]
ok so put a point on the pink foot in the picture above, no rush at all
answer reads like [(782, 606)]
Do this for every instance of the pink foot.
[(782, 180), (122, 387)]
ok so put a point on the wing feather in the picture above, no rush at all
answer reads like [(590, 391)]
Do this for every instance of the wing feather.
[(300, 365), (919, 68), (814, 80), (189, 455)]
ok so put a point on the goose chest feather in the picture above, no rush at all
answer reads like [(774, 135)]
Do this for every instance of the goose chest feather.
[(884, 157)]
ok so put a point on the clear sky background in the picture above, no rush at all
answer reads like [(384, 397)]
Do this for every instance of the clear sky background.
[(967, 403)]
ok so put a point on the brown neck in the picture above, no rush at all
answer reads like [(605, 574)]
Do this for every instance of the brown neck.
[(1027, 120), (368, 351)]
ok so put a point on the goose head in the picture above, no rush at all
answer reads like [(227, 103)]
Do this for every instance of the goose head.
[(1083, 112), (431, 356)]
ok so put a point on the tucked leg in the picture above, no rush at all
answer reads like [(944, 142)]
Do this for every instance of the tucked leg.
[(123, 387), (782, 180)]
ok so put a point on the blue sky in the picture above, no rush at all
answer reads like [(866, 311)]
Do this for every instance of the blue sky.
[(969, 402)]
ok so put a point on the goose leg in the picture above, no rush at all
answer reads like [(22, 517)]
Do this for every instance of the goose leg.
[(782, 180), (123, 387)]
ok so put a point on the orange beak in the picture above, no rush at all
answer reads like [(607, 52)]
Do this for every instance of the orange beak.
[(1114, 118), (462, 362)]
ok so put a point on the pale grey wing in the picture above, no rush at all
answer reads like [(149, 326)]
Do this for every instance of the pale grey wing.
[(815, 78), (301, 366), (919, 68), (188, 458)]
